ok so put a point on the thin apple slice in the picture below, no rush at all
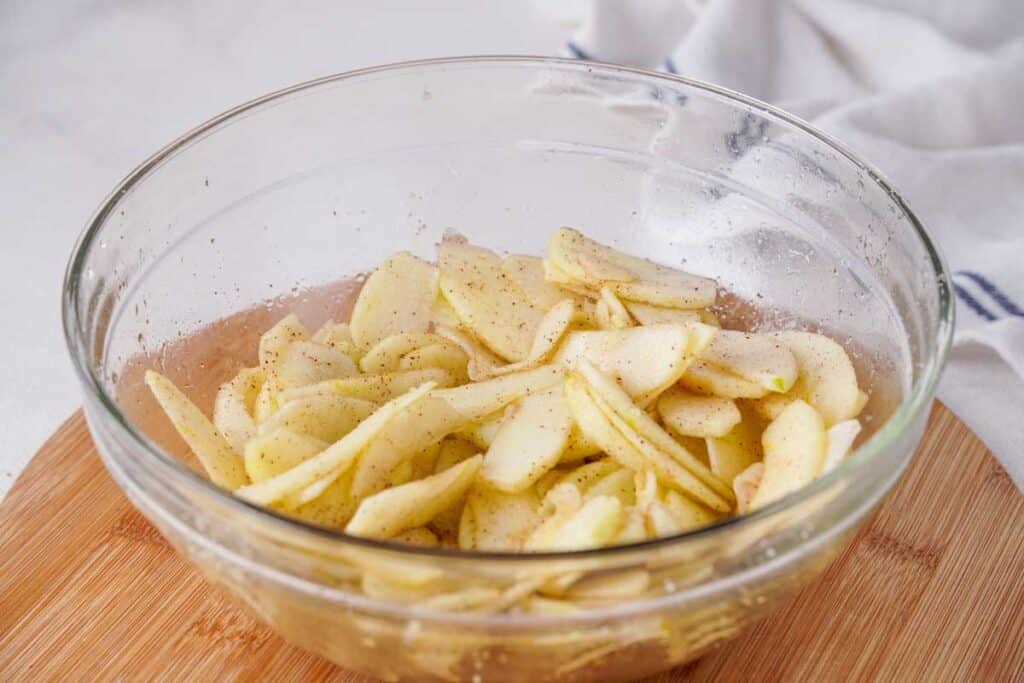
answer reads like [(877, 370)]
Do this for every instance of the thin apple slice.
[(688, 514), (482, 363), (530, 441), (421, 536), (487, 300), (702, 377), (303, 362), (579, 447), (481, 432), (466, 537), (634, 528), (386, 355), (745, 484), (794, 452), (374, 388), (646, 314), (586, 476), (610, 313), (503, 520), (221, 462), (840, 442), (332, 507), (617, 586), (447, 356), (594, 525), (645, 360), (233, 407), (661, 522), (414, 504), (480, 399), (265, 404), (608, 391), (701, 416), (324, 417), (397, 297), (528, 273), (562, 280), (619, 484), (336, 458), (757, 358), (277, 451), (552, 328), (594, 265), (735, 451), (272, 346), (406, 434), (827, 379)]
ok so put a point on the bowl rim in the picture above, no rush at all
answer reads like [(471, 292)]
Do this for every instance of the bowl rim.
[(916, 399)]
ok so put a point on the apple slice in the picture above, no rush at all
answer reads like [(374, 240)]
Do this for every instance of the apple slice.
[(702, 377), (467, 529), (594, 265), (693, 415), (386, 355), (478, 400), (397, 297), (826, 379), (487, 300), (645, 360), (373, 388), (481, 432), (594, 525), (586, 476), (579, 447), (222, 464), (606, 390), (757, 358), (414, 504), (338, 336), (277, 451), (745, 485), (332, 507), (661, 522), (447, 356), (615, 586), (336, 458), (305, 362), (530, 441), (503, 520), (634, 528), (233, 407), (265, 404), (840, 442), (646, 314), (421, 536), (482, 363), (406, 434), (528, 273), (552, 328), (794, 452), (688, 514), (735, 451), (619, 484), (562, 280), (324, 417), (272, 346), (610, 313)]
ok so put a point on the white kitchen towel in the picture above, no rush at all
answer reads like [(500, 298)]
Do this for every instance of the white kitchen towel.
[(930, 92)]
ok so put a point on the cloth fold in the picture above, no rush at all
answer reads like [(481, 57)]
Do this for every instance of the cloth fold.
[(930, 93)]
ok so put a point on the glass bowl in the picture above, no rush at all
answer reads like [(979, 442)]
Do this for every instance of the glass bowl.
[(275, 205)]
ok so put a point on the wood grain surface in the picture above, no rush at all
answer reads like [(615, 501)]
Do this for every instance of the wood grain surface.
[(932, 589)]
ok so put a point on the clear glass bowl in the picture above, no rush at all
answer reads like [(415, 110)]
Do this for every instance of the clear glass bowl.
[(264, 207)]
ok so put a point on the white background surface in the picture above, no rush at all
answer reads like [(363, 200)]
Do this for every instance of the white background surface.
[(90, 89)]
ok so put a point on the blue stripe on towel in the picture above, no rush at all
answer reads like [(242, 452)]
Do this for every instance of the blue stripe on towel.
[(972, 303), (1000, 298), (577, 52)]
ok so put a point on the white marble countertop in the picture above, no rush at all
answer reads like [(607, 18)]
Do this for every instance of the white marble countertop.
[(91, 89)]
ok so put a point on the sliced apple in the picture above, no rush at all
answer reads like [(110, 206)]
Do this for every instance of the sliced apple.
[(414, 504), (336, 458), (234, 406), (634, 527), (447, 356), (338, 336), (487, 300), (757, 358), (530, 441), (324, 417), (614, 586), (694, 415), (840, 442), (736, 450), (594, 525), (397, 297), (221, 462), (481, 432), (594, 264), (661, 522), (827, 379), (332, 507), (745, 484), (610, 313), (421, 536), (702, 377), (482, 364), (645, 360), (561, 279), (619, 484), (477, 400), (688, 514), (305, 362), (528, 273), (606, 390), (552, 328), (579, 447), (406, 434), (586, 476), (467, 529), (277, 451), (646, 314), (265, 404), (503, 520), (386, 355), (374, 388), (794, 451), (273, 344)]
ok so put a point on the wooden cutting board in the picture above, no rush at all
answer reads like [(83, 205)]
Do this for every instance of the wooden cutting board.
[(931, 589)]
